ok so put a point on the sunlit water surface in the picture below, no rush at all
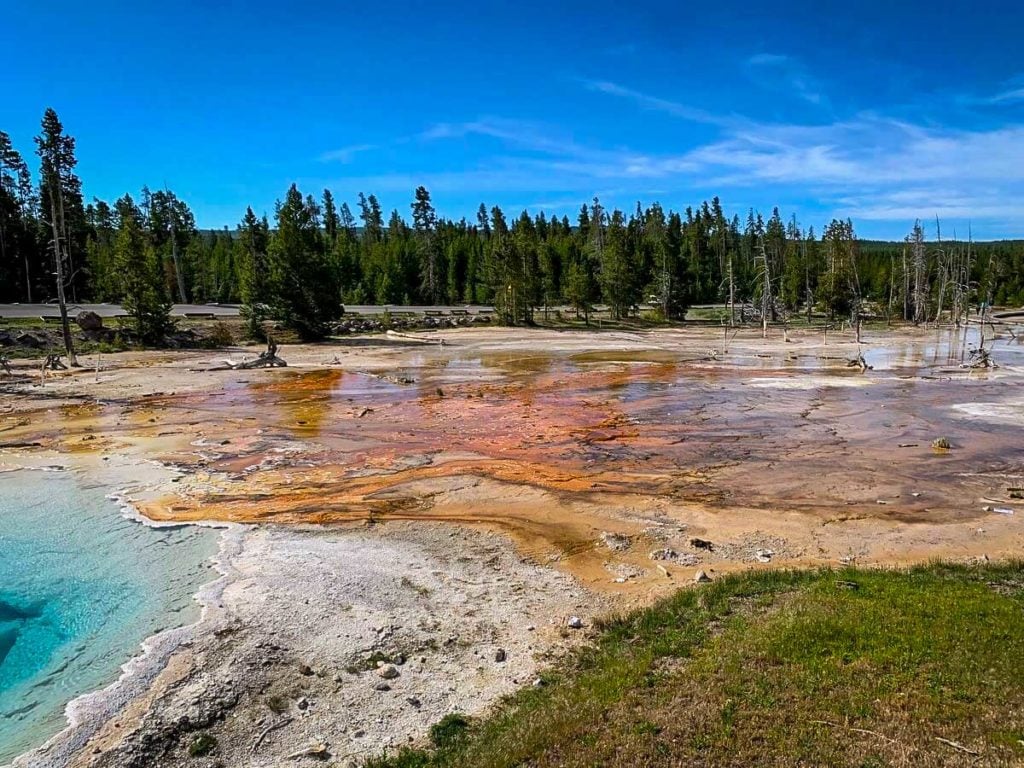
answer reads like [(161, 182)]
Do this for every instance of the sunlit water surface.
[(81, 586)]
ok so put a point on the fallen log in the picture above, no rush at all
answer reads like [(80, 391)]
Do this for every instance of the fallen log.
[(266, 359), (859, 362), (980, 358)]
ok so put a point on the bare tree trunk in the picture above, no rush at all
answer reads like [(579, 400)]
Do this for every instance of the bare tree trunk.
[(58, 260), (943, 271), (732, 293), (28, 280), (892, 288), (767, 304), (177, 265)]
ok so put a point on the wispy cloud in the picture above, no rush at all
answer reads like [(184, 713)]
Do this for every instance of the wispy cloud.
[(656, 104), (868, 166), (345, 154), (1016, 94), (784, 74)]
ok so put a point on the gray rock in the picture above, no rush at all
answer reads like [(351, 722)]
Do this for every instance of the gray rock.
[(617, 542), (575, 622), (388, 671), (701, 578)]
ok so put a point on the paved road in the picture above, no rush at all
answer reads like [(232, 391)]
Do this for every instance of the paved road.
[(218, 310)]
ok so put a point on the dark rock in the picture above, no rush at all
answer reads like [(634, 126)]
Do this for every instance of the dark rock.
[(500, 655), (33, 340), (89, 321)]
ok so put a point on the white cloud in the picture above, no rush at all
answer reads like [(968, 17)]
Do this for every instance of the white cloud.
[(1016, 94), (868, 166), (345, 154), (783, 74), (656, 104)]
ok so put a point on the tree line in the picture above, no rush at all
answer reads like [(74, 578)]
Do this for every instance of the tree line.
[(314, 255)]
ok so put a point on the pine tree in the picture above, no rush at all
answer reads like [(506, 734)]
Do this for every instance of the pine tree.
[(424, 222), (618, 276), (56, 152), (18, 245), (303, 288), (171, 226), (840, 284), (331, 219), (251, 262), (143, 286)]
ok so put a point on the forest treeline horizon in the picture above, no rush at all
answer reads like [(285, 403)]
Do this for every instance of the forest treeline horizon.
[(315, 254)]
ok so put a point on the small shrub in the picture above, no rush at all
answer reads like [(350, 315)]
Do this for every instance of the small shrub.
[(277, 704), (941, 444), (448, 729), (220, 335), (203, 744)]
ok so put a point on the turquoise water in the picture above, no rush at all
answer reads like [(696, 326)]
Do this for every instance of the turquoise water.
[(80, 587)]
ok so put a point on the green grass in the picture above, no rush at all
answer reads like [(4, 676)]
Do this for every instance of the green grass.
[(845, 668)]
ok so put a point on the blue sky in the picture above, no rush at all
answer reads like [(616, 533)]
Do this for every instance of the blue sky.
[(883, 112)]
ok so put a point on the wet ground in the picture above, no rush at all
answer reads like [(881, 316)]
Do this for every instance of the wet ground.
[(558, 438)]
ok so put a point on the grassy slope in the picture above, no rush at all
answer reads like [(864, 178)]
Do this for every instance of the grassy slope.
[(853, 668)]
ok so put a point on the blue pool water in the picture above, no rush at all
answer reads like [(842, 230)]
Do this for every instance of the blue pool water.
[(80, 587)]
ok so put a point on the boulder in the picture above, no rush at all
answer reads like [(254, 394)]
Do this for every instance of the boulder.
[(89, 321), (33, 340)]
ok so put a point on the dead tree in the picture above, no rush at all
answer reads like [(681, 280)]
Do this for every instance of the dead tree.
[(267, 359), (859, 362), (767, 300), (53, 363), (919, 264), (980, 358)]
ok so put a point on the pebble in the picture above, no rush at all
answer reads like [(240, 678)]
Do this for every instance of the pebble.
[(500, 655), (575, 622), (388, 671)]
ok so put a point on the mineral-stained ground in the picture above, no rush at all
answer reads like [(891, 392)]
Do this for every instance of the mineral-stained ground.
[(433, 503)]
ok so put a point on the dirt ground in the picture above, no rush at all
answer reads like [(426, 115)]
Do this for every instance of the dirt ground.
[(530, 474)]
